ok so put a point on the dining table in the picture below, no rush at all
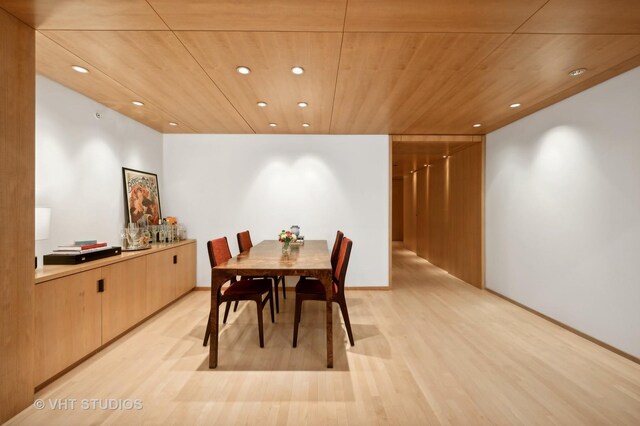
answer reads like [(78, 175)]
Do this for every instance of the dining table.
[(267, 259)]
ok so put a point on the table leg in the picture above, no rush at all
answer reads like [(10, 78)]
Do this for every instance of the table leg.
[(328, 288), (213, 338), (217, 279)]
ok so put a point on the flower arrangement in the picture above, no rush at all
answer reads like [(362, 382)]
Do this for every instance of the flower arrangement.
[(286, 237)]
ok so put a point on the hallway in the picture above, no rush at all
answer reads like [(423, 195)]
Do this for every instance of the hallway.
[(431, 351)]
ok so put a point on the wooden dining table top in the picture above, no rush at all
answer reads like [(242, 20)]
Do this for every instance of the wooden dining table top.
[(266, 258)]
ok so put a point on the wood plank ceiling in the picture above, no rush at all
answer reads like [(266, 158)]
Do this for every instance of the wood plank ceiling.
[(371, 66)]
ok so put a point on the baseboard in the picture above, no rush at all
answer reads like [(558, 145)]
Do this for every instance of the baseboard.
[(377, 288), (569, 328)]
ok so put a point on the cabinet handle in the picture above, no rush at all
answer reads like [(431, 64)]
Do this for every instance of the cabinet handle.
[(175, 259), (101, 286)]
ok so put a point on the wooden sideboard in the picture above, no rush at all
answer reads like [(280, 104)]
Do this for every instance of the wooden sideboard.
[(73, 319)]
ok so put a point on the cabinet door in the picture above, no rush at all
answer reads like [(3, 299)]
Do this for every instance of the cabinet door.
[(161, 280), (124, 300), (185, 269), (67, 322)]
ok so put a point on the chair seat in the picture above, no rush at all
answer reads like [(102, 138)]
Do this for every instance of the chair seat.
[(248, 286), (313, 286)]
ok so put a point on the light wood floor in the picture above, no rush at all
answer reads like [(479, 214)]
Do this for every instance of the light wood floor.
[(432, 351)]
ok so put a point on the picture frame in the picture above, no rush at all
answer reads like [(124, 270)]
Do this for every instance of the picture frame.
[(141, 197)]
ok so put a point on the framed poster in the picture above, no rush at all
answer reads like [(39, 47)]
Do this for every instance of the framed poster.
[(141, 197)]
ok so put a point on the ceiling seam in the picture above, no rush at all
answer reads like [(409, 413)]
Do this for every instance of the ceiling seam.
[(335, 86), (14, 16), (119, 83), (202, 68), (529, 18)]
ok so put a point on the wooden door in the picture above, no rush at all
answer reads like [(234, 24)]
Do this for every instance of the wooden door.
[(161, 280), (67, 322), (124, 300), (185, 269)]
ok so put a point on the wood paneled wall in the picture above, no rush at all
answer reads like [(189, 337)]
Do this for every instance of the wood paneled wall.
[(444, 214), (17, 163), (409, 213), (397, 216)]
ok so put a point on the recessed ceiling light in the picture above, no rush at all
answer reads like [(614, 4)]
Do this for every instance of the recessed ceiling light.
[(477, 125), (172, 123), (306, 124), (516, 105), (243, 70), (577, 72), (411, 171), (303, 104), (273, 125), (78, 68), (137, 103), (444, 156), (297, 70), (425, 165), (262, 104)]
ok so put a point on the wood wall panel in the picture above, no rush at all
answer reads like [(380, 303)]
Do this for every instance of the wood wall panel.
[(443, 213), (464, 259), (438, 213), (17, 162), (409, 213), (397, 203), (422, 212)]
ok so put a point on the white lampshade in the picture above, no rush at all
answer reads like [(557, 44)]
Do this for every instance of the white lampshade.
[(43, 223)]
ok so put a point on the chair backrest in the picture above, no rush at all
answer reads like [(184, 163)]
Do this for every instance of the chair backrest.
[(336, 249), (244, 241), (340, 272), (218, 251)]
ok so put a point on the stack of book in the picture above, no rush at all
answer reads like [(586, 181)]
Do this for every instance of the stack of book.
[(80, 252), (81, 247)]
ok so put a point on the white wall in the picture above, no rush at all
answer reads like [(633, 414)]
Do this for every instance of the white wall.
[(79, 162), (563, 211), (219, 185)]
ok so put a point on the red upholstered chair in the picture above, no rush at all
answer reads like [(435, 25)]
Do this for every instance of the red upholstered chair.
[(312, 289), (238, 290), (334, 254), (244, 244)]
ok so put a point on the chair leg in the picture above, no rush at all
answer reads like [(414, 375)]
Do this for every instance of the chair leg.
[(260, 327), (273, 318), (296, 321), (207, 332), (345, 314), (284, 288), (226, 312), (275, 286), (235, 307)]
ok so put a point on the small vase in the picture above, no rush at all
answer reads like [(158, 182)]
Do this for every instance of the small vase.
[(286, 247)]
